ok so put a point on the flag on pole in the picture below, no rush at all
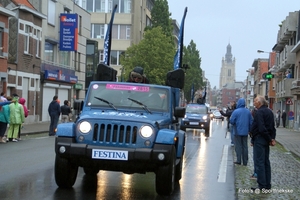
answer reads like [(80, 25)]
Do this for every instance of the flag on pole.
[(107, 41), (192, 93), (178, 55)]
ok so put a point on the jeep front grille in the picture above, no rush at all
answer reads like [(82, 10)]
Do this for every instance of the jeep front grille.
[(113, 133)]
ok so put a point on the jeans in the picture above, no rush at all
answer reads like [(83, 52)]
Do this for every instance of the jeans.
[(241, 148), (53, 124), (262, 162), (232, 130)]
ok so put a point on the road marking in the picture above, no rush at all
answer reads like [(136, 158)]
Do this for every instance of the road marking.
[(223, 165)]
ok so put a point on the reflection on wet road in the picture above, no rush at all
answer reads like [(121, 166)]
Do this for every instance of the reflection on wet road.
[(27, 172)]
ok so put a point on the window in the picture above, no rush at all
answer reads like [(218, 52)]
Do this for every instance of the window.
[(79, 24), (51, 12), (110, 6), (125, 6), (38, 43), (26, 39), (229, 72), (1, 40), (100, 6), (101, 56), (115, 57), (121, 32), (64, 58), (90, 5), (49, 51), (97, 31), (79, 62)]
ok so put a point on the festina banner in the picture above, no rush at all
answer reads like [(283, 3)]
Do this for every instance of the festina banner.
[(68, 32), (107, 41), (178, 55)]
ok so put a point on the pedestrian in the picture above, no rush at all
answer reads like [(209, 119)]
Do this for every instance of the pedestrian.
[(242, 119), (16, 119), (228, 113), (65, 112), (277, 118), (22, 101), (3, 97), (263, 133), (54, 113), (4, 120), (283, 116), (137, 76)]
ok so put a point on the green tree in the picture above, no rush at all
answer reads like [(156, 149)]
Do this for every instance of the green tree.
[(193, 75), (161, 17), (153, 53)]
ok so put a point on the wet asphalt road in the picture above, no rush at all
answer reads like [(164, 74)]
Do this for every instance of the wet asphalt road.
[(208, 172)]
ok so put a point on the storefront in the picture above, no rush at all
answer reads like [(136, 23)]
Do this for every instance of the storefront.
[(56, 83)]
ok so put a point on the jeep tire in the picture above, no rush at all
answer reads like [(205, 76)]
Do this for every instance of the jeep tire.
[(165, 176), (65, 172)]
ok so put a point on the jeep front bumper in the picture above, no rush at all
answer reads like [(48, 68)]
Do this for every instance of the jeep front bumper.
[(137, 158)]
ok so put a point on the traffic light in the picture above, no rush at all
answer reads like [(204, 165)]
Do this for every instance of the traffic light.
[(267, 76)]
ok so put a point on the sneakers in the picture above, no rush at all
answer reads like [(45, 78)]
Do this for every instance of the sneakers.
[(14, 140)]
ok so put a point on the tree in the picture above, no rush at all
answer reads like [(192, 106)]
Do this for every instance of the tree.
[(161, 17), (153, 53), (193, 75)]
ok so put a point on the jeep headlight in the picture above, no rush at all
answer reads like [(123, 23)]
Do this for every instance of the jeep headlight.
[(85, 127), (204, 117), (146, 131)]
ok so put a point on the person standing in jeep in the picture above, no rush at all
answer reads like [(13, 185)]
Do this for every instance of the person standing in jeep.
[(137, 76)]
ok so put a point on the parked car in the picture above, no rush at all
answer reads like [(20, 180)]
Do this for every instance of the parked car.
[(196, 117)]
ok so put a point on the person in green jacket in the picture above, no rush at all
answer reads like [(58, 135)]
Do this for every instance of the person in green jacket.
[(17, 118)]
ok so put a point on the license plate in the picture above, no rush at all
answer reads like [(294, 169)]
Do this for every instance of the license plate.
[(194, 123), (109, 154)]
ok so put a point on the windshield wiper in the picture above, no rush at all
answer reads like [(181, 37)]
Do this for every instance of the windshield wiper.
[(141, 104), (105, 101)]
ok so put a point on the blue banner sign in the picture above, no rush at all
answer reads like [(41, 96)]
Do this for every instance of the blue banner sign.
[(59, 76), (68, 32)]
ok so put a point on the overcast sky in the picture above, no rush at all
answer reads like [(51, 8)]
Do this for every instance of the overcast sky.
[(247, 25)]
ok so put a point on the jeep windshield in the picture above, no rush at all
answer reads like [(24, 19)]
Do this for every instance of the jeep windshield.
[(196, 109), (120, 94)]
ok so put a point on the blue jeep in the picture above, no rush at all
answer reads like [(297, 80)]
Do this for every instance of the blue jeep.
[(126, 127)]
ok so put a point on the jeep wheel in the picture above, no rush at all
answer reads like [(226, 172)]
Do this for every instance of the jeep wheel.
[(178, 170), (65, 172), (90, 171), (165, 176)]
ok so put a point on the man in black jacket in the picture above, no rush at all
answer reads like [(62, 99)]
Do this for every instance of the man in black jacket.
[(263, 134), (54, 112)]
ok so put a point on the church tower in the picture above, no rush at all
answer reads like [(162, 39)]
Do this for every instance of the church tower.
[(227, 74)]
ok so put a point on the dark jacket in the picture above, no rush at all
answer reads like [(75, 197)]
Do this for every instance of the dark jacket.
[(263, 124), (54, 108), (227, 114), (65, 110), (283, 116)]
